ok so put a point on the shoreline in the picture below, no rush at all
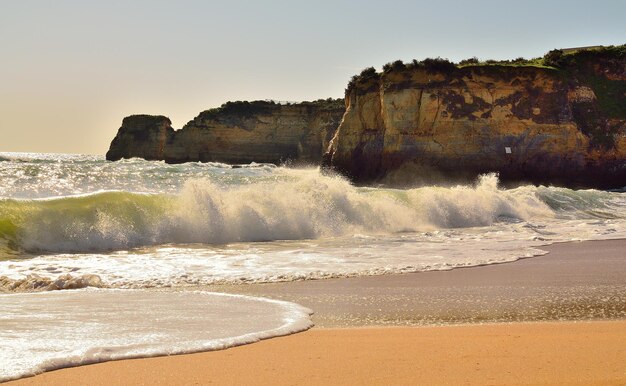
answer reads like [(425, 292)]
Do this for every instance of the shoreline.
[(572, 353), (575, 294), (579, 280)]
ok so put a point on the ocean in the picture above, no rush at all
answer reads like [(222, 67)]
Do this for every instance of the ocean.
[(106, 260)]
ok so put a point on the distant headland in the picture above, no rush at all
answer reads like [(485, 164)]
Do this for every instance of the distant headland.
[(559, 119), (236, 132)]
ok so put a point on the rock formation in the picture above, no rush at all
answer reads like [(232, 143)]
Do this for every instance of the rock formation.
[(236, 132), (557, 120), (560, 120), (142, 136)]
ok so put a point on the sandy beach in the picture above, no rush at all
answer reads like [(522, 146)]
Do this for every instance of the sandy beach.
[(528, 353), (553, 319), (312, 193)]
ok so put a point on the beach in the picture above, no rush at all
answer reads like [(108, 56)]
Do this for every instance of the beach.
[(269, 193), (552, 319)]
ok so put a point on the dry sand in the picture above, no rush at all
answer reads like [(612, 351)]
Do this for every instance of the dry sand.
[(576, 281), (583, 353)]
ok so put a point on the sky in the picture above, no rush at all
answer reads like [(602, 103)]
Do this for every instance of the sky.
[(71, 70)]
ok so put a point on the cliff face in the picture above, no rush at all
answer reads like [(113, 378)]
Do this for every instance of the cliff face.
[(431, 123), (237, 132), (141, 136)]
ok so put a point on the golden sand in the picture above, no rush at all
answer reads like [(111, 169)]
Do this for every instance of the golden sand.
[(574, 281), (567, 353)]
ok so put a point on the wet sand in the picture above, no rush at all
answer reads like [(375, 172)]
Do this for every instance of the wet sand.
[(574, 282)]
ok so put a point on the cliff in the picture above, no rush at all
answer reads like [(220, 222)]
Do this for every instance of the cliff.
[(558, 120), (236, 132), (142, 136)]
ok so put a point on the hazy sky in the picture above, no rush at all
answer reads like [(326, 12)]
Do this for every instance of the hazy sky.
[(71, 70)]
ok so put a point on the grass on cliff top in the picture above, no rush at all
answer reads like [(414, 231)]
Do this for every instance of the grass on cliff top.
[(573, 58), (562, 61), (554, 60), (252, 108), (243, 108), (519, 62)]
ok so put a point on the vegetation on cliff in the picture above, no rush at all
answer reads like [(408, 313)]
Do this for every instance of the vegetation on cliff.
[(556, 119), (241, 108), (577, 67), (559, 60), (579, 57), (560, 118), (610, 90), (249, 109)]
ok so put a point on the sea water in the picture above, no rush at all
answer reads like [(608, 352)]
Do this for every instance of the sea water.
[(73, 221), (50, 330)]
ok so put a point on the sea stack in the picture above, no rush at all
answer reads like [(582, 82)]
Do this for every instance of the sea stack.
[(142, 136)]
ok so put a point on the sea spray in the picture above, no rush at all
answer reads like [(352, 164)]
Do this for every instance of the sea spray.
[(311, 207), (136, 224), (36, 283)]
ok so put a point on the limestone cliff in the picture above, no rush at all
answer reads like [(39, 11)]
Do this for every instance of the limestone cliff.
[(561, 121), (142, 136), (236, 132)]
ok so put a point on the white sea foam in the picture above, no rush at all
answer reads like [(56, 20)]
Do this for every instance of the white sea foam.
[(77, 221), (201, 223), (358, 254), (33, 282), (307, 206), (40, 175), (46, 331)]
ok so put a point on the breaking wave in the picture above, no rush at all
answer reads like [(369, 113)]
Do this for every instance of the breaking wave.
[(36, 283), (307, 207)]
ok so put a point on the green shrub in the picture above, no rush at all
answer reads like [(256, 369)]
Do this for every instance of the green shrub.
[(554, 58), (470, 61), (368, 73), (438, 64)]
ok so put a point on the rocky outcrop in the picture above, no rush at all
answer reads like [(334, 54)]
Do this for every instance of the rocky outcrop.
[(142, 136), (236, 132), (562, 122)]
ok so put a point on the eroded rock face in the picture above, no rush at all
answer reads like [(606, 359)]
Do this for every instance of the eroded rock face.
[(237, 132), (142, 136), (530, 124)]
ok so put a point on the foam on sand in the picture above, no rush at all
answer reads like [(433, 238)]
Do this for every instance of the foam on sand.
[(46, 331)]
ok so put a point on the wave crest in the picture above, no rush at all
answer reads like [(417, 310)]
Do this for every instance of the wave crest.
[(35, 283), (306, 205)]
